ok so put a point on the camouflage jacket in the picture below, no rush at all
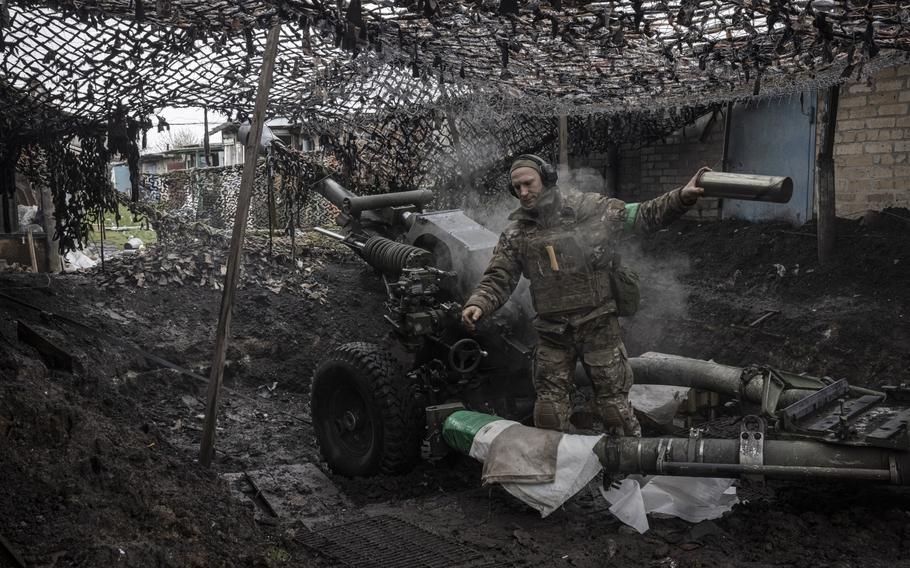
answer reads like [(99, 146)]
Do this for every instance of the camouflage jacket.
[(601, 219)]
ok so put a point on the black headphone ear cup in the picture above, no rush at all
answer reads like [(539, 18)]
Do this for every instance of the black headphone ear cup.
[(512, 189), (549, 175)]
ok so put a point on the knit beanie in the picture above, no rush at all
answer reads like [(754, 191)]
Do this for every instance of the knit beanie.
[(525, 163)]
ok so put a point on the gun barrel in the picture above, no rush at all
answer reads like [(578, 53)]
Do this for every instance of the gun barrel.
[(350, 241), (751, 187), (353, 204), (328, 233), (331, 190)]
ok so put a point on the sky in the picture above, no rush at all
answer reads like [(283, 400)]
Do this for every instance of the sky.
[(183, 119)]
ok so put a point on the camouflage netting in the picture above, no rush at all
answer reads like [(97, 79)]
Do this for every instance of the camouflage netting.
[(279, 200), (422, 92)]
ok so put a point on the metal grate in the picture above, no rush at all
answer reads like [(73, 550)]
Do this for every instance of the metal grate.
[(389, 542)]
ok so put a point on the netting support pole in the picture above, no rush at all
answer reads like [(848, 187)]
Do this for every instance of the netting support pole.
[(270, 189), (206, 149), (725, 156), (207, 448), (51, 248), (563, 145), (826, 192)]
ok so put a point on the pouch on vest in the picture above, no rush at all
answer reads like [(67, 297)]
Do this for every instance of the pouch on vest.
[(624, 285)]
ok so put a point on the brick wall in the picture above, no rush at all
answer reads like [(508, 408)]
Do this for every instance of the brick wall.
[(651, 170), (872, 143), (871, 152)]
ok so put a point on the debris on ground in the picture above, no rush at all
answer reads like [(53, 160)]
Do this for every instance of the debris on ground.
[(194, 254), (104, 459)]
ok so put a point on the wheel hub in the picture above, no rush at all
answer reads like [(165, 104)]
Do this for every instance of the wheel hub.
[(349, 421)]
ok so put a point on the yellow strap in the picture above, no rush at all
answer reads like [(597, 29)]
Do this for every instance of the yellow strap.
[(551, 252)]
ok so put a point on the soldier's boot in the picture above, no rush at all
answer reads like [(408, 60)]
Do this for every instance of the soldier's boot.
[(551, 415)]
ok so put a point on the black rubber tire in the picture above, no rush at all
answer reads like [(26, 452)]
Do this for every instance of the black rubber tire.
[(365, 413)]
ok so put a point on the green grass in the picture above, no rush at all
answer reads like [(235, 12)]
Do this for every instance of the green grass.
[(119, 238)]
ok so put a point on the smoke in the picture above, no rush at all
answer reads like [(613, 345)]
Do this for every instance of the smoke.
[(492, 213), (586, 180), (664, 295)]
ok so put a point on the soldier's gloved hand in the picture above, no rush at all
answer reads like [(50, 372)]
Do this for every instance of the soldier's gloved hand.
[(470, 315), (691, 191)]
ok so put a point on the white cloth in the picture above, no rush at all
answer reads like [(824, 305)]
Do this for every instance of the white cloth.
[(693, 499), (576, 466)]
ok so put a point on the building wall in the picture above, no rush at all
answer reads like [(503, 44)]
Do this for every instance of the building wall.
[(871, 153), (646, 171), (872, 143)]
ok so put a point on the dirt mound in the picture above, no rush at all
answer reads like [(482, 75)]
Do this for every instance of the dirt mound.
[(872, 256), (88, 482), (99, 464), (743, 293)]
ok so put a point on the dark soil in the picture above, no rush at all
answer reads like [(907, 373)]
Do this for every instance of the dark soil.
[(99, 465)]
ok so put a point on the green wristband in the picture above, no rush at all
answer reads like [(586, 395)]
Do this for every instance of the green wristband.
[(631, 214)]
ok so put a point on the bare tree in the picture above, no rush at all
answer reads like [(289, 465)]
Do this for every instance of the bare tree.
[(180, 138)]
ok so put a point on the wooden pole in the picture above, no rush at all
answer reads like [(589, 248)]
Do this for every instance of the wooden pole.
[(563, 144), (728, 124), (205, 137), (725, 156), (101, 235), (31, 250), (826, 193), (251, 154)]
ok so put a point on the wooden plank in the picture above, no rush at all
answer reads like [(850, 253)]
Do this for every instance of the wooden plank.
[(51, 248), (251, 154), (53, 355), (767, 314), (31, 251)]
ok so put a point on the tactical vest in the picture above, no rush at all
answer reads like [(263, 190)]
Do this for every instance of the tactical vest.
[(566, 267)]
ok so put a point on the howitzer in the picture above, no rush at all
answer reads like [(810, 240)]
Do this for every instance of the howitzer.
[(375, 412)]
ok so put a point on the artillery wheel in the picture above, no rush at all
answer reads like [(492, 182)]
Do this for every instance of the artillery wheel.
[(364, 411)]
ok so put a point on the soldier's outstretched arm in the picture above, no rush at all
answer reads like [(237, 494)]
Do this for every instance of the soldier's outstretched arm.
[(659, 212), (500, 277)]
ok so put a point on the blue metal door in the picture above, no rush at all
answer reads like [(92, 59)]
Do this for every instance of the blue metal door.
[(774, 138)]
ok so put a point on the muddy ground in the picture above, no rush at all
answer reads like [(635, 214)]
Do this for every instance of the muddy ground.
[(99, 465)]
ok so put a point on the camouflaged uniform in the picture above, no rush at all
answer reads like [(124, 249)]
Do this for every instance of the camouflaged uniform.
[(565, 246)]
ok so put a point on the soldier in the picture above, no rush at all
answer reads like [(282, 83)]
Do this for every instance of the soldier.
[(564, 242)]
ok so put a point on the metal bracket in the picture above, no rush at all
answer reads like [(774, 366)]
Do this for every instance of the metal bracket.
[(663, 453), (696, 445), (772, 386), (752, 444), (894, 471), (638, 452), (802, 408)]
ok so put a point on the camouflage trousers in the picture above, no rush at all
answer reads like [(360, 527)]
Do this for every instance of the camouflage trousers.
[(598, 345)]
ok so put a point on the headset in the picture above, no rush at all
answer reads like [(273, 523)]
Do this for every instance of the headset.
[(548, 174)]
